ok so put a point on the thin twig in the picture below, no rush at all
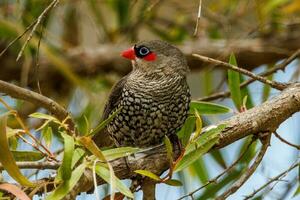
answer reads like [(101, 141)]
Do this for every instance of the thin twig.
[(37, 63), (249, 172), (273, 84), (36, 165), (276, 178), (198, 18), (17, 38), (21, 93), (214, 180), (26, 131), (286, 142), (278, 67), (36, 23)]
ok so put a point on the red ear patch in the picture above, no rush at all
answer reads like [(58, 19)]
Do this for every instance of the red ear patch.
[(150, 57)]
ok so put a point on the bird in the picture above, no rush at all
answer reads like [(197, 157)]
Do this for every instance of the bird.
[(152, 101)]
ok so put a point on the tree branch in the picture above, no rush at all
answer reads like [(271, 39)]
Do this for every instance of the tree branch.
[(276, 178), (264, 118), (273, 84), (278, 67), (21, 93), (250, 170)]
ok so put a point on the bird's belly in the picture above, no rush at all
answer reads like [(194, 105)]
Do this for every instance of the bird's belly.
[(144, 120)]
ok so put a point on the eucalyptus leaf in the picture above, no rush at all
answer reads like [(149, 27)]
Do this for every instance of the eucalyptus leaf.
[(207, 108), (105, 175), (148, 174), (7, 160), (234, 84), (66, 166), (65, 187), (27, 155), (119, 152)]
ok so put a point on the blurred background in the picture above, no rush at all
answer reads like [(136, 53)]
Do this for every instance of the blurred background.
[(74, 58)]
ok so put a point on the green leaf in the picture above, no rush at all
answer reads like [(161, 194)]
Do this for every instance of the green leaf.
[(205, 137), (104, 123), (234, 84), (47, 135), (297, 192), (13, 142), (218, 157), (105, 175), (7, 160), (201, 170), (43, 116), (148, 174), (186, 131), (66, 165), (251, 151), (122, 10), (199, 147), (63, 189), (27, 155), (77, 155), (173, 182), (194, 155), (87, 125), (198, 126), (211, 190), (12, 132), (246, 94), (207, 108), (120, 152), (169, 148), (267, 89)]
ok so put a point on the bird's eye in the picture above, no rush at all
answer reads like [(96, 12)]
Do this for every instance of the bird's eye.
[(144, 51), (141, 51)]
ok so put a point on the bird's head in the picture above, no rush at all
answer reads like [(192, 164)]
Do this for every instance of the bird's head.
[(156, 56)]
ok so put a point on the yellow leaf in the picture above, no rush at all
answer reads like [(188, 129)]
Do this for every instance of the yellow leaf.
[(7, 159)]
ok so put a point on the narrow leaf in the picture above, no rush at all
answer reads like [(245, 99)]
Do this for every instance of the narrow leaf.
[(173, 182), (27, 155), (120, 152), (77, 155), (201, 170), (43, 116), (234, 84), (219, 158), (47, 135), (186, 131), (104, 123), (194, 155), (7, 160), (63, 189), (105, 175), (148, 174), (198, 126), (169, 148), (66, 166), (207, 108), (205, 137)]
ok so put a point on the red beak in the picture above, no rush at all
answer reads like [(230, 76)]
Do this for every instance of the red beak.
[(129, 54)]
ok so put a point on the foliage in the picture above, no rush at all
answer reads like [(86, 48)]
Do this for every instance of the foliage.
[(30, 134)]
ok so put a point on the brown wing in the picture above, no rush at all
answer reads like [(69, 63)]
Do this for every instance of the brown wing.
[(102, 139)]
